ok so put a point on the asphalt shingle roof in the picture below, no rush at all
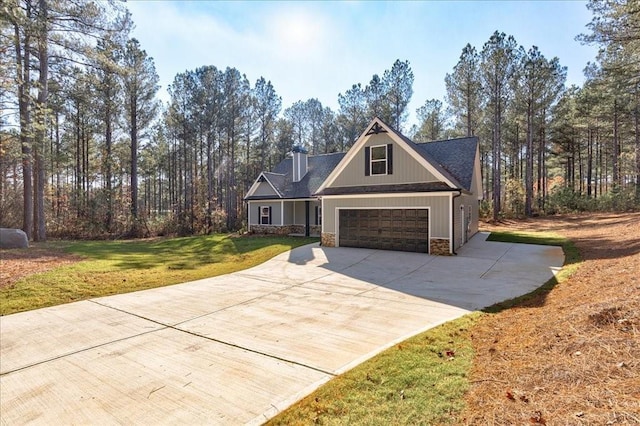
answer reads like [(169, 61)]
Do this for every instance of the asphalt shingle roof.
[(453, 158), (319, 168), (456, 156)]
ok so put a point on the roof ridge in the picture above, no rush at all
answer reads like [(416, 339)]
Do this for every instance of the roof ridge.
[(326, 153), (446, 140)]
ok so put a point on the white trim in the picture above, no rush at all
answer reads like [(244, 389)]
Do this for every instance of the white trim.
[(337, 220), (322, 223), (248, 216), (257, 182), (386, 160), (452, 223), (260, 215), (395, 138), (282, 213), (392, 195)]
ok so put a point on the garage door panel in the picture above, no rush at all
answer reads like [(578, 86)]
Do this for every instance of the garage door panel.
[(385, 229)]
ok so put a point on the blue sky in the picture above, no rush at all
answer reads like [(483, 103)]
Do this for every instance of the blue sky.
[(319, 49)]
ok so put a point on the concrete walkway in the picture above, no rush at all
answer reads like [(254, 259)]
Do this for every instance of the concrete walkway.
[(239, 348)]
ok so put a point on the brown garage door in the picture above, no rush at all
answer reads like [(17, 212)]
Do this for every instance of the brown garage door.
[(385, 229)]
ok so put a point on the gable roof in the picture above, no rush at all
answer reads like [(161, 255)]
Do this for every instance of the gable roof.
[(318, 168), (420, 155), (452, 161)]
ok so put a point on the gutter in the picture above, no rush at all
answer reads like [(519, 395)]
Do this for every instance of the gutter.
[(453, 221)]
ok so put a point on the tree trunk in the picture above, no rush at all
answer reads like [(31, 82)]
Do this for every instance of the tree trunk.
[(616, 146), (528, 210), (41, 108), (589, 162), (22, 67), (637, 140), (134, 160)]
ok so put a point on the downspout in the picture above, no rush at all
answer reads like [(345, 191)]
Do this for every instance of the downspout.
[(453, 221)]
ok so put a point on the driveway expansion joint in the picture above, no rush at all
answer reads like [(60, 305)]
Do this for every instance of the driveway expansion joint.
[(176, 328)]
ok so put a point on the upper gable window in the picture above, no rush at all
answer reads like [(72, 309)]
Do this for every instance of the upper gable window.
[(379, 160)]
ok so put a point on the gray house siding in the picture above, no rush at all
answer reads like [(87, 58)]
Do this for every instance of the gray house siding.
[(299, 213), (439, 210), (406, 169), (470, 203), (254, 214), (288, 212), (264, 188)]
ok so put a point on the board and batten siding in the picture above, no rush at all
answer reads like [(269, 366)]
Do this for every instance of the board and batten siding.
[(288, 212), (468, 201), (406, 169), (299, 213), (254, 214), (439, 209)]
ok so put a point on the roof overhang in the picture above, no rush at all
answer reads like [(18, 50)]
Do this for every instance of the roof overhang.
[(261, 178)]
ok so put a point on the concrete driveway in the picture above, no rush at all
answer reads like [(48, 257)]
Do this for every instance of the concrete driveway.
[(239, 348)]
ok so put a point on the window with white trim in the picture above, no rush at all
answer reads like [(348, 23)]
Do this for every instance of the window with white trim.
[(379, 160), (265, 215), (318, 215)]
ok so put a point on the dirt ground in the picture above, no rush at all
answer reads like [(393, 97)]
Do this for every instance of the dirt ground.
[(18, 263), (571, 357)]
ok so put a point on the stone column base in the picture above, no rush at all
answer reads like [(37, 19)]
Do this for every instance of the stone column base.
[(328, 240), (440, 247)]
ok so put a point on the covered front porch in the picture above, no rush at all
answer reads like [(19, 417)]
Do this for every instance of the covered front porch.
[(296, 217)]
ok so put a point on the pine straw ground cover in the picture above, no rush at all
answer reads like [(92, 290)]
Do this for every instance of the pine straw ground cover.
[(570, 356)]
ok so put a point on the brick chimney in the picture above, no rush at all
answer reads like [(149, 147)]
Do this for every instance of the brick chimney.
[(299, 163)]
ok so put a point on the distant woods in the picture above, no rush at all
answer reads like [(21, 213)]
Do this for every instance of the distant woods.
[(87, 150)]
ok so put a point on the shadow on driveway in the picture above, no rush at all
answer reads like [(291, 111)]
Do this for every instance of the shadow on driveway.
[(239, 348)]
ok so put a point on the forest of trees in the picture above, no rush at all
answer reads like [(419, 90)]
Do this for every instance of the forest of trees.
[(88, 151)]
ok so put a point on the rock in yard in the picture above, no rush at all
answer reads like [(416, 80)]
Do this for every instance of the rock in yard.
[(13, 238)]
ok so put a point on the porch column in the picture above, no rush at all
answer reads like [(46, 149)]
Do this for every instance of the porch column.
[(306, 218)]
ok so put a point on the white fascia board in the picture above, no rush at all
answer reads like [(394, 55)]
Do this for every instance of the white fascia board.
[(477, 171), (256, 183)]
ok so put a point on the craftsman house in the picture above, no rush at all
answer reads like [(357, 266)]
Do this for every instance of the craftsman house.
[(386, 192)]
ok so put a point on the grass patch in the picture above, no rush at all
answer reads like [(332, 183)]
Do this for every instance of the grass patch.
[(113, 267), (416, 382), (419, 381), (572, 260)]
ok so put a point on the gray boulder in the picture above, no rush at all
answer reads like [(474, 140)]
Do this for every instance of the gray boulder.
[(13, 238)]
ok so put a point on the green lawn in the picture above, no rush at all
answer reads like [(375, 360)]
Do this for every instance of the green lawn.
[(113, 267), (421, 381)]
